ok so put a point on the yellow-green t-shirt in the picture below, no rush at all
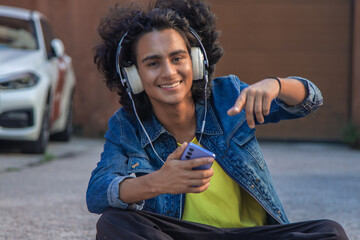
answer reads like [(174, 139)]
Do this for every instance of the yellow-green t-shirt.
[(224, 204)]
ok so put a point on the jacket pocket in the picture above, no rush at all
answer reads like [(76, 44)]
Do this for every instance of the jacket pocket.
[(248, 143)]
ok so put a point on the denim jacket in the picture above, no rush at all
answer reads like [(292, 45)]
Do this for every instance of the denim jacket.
[(128, 154)]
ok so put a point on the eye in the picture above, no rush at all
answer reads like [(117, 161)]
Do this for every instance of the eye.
[(177, 59), (152, 64)]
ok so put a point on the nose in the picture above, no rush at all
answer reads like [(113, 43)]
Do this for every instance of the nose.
[(169, 69)]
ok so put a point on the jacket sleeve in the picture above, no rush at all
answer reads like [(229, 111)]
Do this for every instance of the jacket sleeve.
[(111, 170)]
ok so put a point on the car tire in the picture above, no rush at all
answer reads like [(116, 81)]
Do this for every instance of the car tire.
[(65, 135), (39, 146)]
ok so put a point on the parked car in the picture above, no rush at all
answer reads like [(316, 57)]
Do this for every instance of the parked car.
[(37, 81)]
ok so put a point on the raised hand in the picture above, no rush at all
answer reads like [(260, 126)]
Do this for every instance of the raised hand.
[(256, 99)]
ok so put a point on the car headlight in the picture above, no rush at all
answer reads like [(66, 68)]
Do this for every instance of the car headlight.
[(20, 80)]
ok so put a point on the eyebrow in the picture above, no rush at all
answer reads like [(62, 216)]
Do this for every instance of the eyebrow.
[(152, 57)]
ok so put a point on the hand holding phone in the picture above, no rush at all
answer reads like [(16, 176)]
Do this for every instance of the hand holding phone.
[(193, 151)]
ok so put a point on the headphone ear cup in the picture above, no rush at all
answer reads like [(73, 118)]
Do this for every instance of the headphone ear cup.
[(197, 58), (133, 79)]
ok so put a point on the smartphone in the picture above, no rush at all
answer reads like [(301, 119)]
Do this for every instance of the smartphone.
[(194, 151)]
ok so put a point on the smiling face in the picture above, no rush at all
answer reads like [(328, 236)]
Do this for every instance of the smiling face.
[(165, 68)]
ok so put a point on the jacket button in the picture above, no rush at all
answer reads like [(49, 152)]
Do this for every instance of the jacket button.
[(279, 212), (252, 186), (135, 165)]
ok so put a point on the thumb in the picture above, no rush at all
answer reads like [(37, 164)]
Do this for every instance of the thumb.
[(178, 152)]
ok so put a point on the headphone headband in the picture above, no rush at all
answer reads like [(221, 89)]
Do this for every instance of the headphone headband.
[(206, 61), (118, 52)]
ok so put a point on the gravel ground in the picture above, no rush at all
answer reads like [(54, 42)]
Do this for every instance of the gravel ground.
[(317, 181), (47, 201)]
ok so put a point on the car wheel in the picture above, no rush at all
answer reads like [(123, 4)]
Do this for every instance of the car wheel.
[(39, 146), (65, 135)]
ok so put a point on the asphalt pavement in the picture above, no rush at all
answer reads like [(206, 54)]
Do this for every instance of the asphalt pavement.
[(43, 196)]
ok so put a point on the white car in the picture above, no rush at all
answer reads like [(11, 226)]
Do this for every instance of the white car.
[(37, 81)]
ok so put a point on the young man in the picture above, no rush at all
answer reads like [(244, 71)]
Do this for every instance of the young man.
[(161, 62)]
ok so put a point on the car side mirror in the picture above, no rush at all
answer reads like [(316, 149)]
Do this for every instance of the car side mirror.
[(58, 47)]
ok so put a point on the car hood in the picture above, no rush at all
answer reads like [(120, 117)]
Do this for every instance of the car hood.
[(15, 60)]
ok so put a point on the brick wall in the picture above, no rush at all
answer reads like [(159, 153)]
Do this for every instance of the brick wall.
[(308, 38), (355, 85), (281, 38)]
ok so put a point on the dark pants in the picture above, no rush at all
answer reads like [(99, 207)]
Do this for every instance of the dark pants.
[(120, 224)]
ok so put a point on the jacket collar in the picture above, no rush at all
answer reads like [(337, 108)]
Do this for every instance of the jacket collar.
[(155, 129)]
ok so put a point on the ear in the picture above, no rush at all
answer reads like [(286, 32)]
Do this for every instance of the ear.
[(197, 58), (133, 79)]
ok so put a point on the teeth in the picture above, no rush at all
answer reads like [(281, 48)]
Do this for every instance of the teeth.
[(170, 86)]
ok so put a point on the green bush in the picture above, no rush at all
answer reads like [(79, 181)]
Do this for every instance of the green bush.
[(351, 136)]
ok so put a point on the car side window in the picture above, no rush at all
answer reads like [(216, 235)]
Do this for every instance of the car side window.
[(48, 37)]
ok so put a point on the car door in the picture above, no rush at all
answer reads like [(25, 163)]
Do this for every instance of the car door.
[(53, 68)]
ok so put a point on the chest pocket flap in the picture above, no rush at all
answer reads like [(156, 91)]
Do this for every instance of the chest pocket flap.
[(139, 165), (246, 140)]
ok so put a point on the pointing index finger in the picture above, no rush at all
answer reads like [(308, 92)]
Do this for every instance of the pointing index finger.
[(238, 106)]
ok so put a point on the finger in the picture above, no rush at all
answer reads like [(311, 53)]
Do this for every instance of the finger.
[(200, 174), (178, 152), (258, 108), (199, 182), (195, 179), (192, 163), (239, 104), (266, 104), (249, 109), (197, 188)]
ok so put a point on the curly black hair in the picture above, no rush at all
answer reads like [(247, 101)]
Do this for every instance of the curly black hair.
[(180, 15)]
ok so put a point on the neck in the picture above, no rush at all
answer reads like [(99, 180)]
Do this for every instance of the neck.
[(179, 120)]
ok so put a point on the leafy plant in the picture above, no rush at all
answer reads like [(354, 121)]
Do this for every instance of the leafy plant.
[(351, 136), (47, 157)]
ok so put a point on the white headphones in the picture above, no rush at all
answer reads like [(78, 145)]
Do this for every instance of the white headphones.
[(130, 78)]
